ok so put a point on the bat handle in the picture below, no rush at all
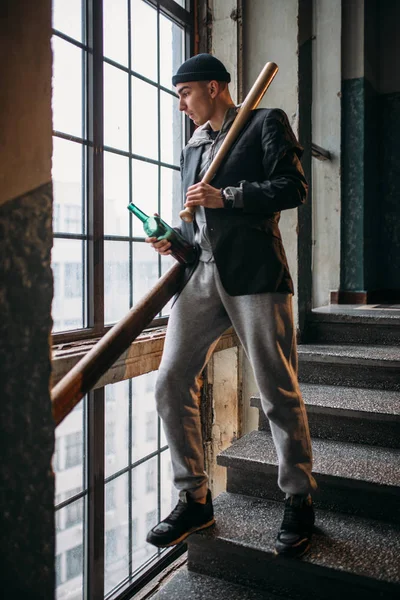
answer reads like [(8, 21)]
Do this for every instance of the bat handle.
[(187, 215)]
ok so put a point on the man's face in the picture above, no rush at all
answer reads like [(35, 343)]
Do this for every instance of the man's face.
[(196, 101)]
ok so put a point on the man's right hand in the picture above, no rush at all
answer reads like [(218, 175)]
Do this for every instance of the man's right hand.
[(161, 246)]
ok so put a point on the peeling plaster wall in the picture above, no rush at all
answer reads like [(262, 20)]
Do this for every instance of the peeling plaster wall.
[(225, 39), (326, 124), (224, 376)]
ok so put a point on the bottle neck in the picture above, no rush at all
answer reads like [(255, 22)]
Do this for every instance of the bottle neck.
[(139, 213)]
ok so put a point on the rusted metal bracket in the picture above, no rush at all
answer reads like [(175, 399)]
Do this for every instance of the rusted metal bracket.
[(320, 153)]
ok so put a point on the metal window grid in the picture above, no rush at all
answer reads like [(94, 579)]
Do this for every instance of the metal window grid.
[(94, 481)]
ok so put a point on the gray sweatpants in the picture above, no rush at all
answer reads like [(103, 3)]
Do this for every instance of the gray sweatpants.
[(264, 325)]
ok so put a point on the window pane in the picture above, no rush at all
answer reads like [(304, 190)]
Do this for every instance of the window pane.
[(68, 284), (144, 191), (171, 50), (116, 194), (144, 510), (117, 532), (117, 430), (69, 551), (67, 87), (115, 19), (144, 39), (171, 196), (67, 186), (75, 563), (144, 118), (116, 280), (67, 17), (74, 513), (68, 459), (144, 416), (145, 269), (116, 130), (171, 129)]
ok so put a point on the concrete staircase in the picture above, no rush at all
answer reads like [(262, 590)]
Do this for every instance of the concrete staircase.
[(352, 394)]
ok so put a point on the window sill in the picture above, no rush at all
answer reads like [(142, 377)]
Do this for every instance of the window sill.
[(143, 356)]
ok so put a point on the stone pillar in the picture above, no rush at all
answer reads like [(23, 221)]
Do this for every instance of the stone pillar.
[(388, 205), (26, 289), (358, 269)]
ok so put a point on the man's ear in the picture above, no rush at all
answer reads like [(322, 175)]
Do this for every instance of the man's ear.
[(213, 87)]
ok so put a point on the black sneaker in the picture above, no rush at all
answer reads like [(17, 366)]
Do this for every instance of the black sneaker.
[(187, 517), (294, 537)]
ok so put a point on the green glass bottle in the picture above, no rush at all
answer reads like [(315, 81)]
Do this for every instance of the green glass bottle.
[(181, 250)]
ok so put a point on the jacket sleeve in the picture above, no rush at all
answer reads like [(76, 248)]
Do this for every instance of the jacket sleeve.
[(285, 185)]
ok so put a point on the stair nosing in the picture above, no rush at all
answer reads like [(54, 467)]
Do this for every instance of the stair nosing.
[(316, 558), (363, 407), (230, 455)]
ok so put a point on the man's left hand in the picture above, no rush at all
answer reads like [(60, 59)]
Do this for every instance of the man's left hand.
[(203, 194)]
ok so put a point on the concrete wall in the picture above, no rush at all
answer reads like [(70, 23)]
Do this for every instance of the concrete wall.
[(26, 423), (326, 132), (25, 101)]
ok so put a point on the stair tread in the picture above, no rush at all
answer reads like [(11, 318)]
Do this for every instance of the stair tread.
[(384, 402), (188, 585), (387, 356), (360, 315), (370, 464), (342, 543)]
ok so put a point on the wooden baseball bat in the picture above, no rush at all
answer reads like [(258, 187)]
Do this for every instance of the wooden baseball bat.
[(250, 103)]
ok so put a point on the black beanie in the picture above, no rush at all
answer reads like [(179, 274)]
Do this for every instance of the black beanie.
[(202, 67)]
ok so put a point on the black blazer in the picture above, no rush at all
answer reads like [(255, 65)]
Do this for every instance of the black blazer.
[(246, 242)]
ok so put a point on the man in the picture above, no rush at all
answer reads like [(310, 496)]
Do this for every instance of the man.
[(242, 279)]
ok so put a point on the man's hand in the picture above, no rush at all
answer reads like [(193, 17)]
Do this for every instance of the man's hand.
[(161, 246), (203, 194)]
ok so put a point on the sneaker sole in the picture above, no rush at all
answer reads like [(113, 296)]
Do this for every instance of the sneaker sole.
[(293, 552), (185, 535)]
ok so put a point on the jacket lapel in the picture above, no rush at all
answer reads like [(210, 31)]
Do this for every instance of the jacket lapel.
[(192, 166)]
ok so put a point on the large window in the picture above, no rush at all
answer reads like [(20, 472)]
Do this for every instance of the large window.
[(136, 493), (118, 135)]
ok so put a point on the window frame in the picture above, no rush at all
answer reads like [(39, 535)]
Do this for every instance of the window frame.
[(93, 494), (92, 142)]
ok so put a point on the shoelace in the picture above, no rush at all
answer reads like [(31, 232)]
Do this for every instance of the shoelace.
[(292, 520), (177, 511)]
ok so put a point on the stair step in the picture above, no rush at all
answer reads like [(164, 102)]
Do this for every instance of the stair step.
[(350, 556), (348, 365), (352, 478), (349, 414), (349, 325), (186, 585)]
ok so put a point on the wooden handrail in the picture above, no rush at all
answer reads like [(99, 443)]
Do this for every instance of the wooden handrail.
[(84, 375)]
